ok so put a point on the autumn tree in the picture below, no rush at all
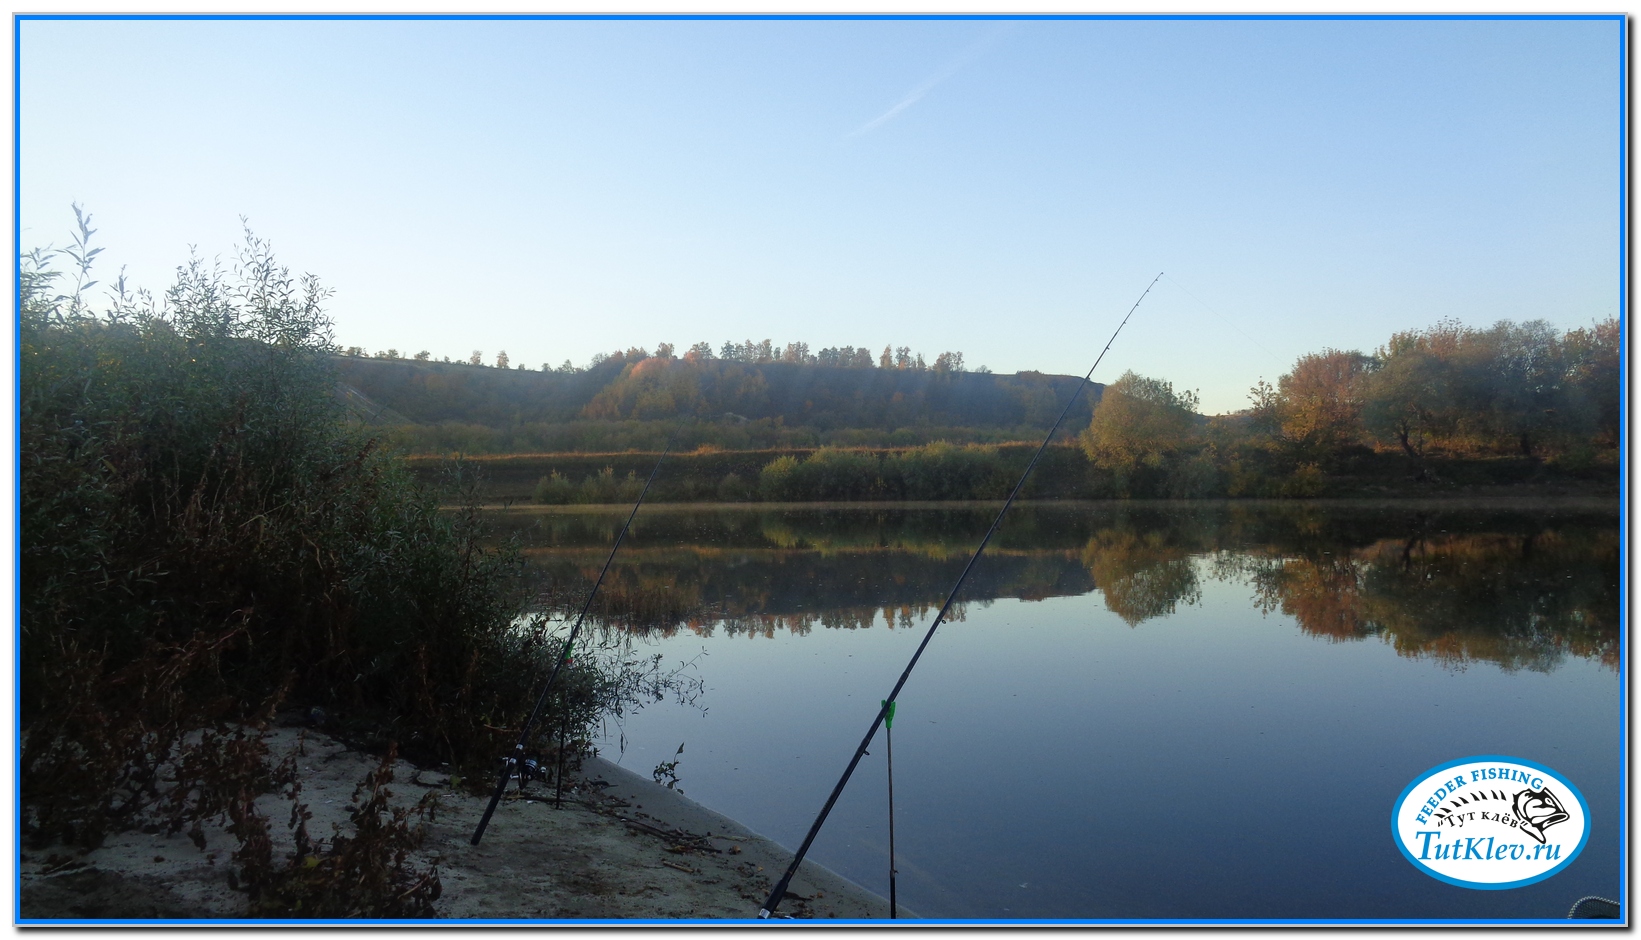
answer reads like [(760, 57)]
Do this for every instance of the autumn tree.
[(1316, 408), (1139, 423)]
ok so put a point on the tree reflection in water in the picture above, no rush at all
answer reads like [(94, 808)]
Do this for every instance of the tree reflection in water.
[(1143, 575), (1521, 587), (1523, 601)]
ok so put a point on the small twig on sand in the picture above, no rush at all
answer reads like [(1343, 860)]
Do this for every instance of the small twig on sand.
[(683, 868), (679, 840)]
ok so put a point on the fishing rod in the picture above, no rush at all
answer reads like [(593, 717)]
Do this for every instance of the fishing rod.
[(886, 709), (517, 758), (889, 742)]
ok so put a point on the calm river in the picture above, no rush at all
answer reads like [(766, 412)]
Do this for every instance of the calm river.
[(1151, 711)]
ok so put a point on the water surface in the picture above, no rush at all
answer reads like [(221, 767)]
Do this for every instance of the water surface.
[(1155, 711)]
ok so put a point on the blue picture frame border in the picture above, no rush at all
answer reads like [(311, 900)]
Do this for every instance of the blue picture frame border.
[(1623, 20)]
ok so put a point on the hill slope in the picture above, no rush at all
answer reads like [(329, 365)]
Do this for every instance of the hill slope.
[(618, 404)]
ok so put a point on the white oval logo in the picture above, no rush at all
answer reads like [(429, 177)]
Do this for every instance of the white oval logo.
[(1491, 822)]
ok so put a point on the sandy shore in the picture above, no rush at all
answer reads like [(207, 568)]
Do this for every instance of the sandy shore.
[(621, 847)]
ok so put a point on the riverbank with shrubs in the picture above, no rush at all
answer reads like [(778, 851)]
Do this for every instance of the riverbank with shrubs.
[(951, 472), (1514, 408), (207, 542)]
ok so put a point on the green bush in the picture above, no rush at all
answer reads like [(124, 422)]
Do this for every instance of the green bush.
[(938, 471), (554, 489), (947, 471), (1194, 477), (606, 487), (834, 474), (775, 482), (1305, 483), (601, 487), (733, 489)]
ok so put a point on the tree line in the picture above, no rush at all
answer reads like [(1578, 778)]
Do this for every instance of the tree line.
[(1448, 407), (1524, 390), (764, 351), (1547, 397)]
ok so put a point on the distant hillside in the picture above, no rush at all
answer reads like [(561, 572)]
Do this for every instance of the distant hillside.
[(620, 404)]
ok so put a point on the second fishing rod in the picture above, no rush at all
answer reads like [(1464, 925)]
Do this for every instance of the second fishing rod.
[(888, 704), (515, 762)]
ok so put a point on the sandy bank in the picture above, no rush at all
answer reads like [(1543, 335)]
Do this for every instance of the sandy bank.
[(621, 847)]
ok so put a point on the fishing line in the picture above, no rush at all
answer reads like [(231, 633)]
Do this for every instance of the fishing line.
[(779, 893), (1224, 320), (517, 758)]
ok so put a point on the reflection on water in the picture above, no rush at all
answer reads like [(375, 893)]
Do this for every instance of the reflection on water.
[(1521, 587), (1521, 600), (1147, 711)]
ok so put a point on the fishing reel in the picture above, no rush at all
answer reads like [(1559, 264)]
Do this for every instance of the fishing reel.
[(524, 770)]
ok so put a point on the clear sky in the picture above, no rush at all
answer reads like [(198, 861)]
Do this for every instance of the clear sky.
[(1007, 189)]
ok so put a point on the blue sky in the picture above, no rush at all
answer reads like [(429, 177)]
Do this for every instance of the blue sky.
[(1003, 188)]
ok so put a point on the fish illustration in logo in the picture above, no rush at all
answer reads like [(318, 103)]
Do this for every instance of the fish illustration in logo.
[(1538, 810)]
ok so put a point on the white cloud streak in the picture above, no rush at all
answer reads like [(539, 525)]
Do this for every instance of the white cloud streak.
[(916, 94)]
